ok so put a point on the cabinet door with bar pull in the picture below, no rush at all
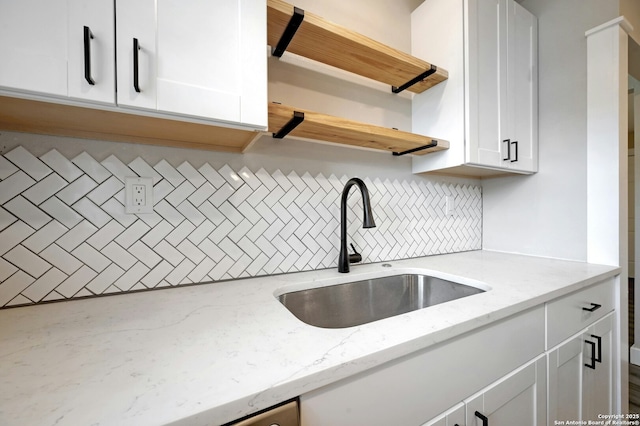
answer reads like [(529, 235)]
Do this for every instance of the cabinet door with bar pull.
[(199, 58), (60, 48), (517, 399), (597, 386)]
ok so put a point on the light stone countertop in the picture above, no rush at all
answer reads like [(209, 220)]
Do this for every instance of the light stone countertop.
[(208, 354)]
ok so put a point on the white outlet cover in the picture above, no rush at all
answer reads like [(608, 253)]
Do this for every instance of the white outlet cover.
[(129, 206)]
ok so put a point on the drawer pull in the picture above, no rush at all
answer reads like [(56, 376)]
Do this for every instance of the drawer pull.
[(485, 420), (594, 307)]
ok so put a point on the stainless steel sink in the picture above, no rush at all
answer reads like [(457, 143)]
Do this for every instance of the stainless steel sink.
[(361, 302)]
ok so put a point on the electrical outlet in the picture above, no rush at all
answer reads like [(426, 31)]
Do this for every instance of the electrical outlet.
[(138, 195), (451, 205)]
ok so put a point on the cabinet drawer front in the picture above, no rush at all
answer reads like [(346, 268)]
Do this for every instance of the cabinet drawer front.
[(567, 315)]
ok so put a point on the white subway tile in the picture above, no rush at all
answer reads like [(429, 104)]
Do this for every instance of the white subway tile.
[(191, 174), (105, 235), (91, 257), (133, 233), (91, 167), (178, 275), (119, 256), (169, 173), (118, 168), (7, 168), (61, 259), (27, 212), (14, 185), (44, 285), (106, 190), (28, 163), (131, 277), (157, 274), (143, 169), (14, 235), (44, 189), (100, 283), (13, 286), (144, 254), (61, 165)]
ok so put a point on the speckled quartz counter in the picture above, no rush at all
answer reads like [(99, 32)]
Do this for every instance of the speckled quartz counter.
[(208, 354)]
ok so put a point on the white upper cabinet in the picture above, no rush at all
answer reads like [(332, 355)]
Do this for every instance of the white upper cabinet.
[(487, 109), (45, 51), (196, 57), (193, 58)]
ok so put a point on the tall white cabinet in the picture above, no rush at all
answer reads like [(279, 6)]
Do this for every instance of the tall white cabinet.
[(177, 58), (487, 109)]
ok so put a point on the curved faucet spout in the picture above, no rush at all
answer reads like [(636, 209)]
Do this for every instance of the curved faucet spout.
[(367, 222)]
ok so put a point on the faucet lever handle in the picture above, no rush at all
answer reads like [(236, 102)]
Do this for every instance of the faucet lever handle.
[(354, 257)]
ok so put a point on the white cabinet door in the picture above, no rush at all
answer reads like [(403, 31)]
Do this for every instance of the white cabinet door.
[(487, 70), (597, 391), (581, 375), (565, 365), (502, 83), (33, 46), (521, 107), (517, 399), (43, 48), (211, 59)]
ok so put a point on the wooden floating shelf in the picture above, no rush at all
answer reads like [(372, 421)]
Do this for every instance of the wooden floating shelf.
[(339, 130), (22, 115), (326, 42)]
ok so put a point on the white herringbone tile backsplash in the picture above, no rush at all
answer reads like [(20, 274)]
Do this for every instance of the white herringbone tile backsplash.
[(64, 232)]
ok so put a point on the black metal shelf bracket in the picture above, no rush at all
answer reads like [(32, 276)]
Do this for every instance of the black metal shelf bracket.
[(289, 32), (433, 144), (415, 80), (298, 117)]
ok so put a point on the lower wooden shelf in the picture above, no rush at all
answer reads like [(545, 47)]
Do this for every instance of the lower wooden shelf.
[(339, 130), (33, 116), (24, 115)]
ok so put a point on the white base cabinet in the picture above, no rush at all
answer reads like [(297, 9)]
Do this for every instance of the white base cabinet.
[(507, 373), (581, 375), (487, 109), (417, 388)]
